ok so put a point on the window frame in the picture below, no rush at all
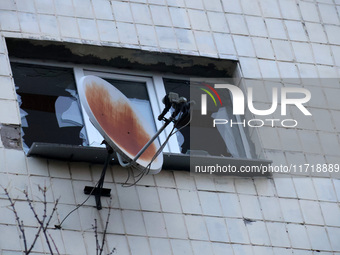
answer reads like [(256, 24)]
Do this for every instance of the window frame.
[(156, 91)]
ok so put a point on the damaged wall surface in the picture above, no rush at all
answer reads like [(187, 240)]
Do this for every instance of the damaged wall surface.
[(173, 212)]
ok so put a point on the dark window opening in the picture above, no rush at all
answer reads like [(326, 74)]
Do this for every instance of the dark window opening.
[(49, 105), (200, 137)]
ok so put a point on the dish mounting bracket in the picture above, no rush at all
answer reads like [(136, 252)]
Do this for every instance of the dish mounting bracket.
[(98, 191)]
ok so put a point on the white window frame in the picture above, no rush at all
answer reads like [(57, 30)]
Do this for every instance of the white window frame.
[(155, 87)]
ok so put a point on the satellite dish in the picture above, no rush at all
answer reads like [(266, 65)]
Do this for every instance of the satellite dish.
[(122, 127)]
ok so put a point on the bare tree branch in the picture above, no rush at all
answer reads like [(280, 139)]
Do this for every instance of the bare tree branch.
[(41, 222), (20, 222), (36, 216), (45, 220), (43, 225), (55, 246), (95, 228), (106, 226)]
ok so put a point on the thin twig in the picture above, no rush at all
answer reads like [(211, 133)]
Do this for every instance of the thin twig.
[(55, 246), (20, 223), (106, 226), (36, 216), (44, 218), (95, 228), (52, 213), (41, 223)]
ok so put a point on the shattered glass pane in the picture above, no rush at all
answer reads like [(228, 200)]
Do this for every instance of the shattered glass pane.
[(49, 105), (227, 142), (182, 88)]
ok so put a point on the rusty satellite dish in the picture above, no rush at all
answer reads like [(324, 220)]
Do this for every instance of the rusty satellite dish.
[(114, 116)]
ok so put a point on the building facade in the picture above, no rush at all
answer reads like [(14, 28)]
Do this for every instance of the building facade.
[(263, 42)]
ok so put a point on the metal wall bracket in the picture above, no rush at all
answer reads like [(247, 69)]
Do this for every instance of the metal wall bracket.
[(98, 190)]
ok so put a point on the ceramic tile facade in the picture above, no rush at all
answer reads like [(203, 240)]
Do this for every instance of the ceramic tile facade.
[(172, 212)]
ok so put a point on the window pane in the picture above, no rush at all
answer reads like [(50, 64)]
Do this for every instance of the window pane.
[(49, 105), (200, 136), (182, 88)]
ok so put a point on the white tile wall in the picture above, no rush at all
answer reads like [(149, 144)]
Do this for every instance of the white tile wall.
[(138, 245), (237, 24), (203, 183), (256, 227), (309, 12), (133, 222), (329, 14), (102, 9), (331, 213), (291, 210), (68, 27), (127, 33), (196, 227), (166, 37), (88, 29), (28, 23), (128, 198), (304, 188), (148, 198), (181, 247), (190, 202), (333, 234), (160, 246), (318, 237), (186, 40), (205, 44), (322, 54), (242, 249), (169, 200), (278, 234), (217, 229), (173, 212), (230, 205), (262, 250), (210, 203), (176, 226), (298, 236), (311, 212), (324, 189), (271, 208), (155, 225), (222, 248), (276, 29), (251, 7), (122, 11), (218, 22), (237, 231), (270, 8), (201, 248), (245, 186)]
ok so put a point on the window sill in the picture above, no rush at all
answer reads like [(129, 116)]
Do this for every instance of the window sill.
[(172, 161)]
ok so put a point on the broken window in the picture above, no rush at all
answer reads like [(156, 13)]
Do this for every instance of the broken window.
[(49, 105), (51, 112), (199, 137)]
